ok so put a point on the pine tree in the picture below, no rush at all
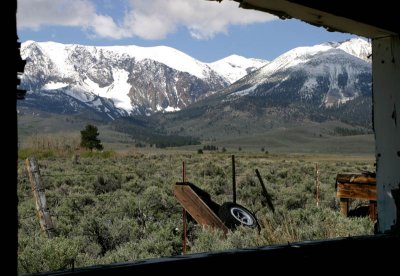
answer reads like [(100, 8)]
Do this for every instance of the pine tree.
[(89, 138)]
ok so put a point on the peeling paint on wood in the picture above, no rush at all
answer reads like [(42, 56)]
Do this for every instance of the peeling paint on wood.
[(386, 100)]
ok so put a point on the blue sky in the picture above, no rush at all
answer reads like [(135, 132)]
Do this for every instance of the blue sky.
[(205, 30)]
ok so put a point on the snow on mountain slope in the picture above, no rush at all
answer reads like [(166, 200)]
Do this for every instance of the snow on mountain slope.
[(171, 57), (235, 67), (144, 80), (357, 47), (289, 59), (138, 80), (121, 100), (324, 75), (166, 55)]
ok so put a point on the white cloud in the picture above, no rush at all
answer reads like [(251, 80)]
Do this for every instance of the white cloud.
[(34, 14), (148, 19)]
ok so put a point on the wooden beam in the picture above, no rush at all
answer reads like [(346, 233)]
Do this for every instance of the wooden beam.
[(386, 102), (356, 178), (355, 190), (197, 208)]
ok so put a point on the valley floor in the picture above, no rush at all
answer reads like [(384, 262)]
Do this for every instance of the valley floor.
[(117, 206)]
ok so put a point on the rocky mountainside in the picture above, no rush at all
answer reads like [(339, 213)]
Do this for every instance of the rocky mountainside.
[(233, 97), (130, 79), (323, 75), (328, 82)]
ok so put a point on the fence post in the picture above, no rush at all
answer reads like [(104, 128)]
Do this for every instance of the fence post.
[(184, 212), (233, 179), (317, 182), (39, 195)]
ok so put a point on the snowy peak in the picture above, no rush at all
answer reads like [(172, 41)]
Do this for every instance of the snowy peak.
[(235, 67), (322, 75), (293, 57), (165, 55), (357, 47), (169, 56), (137, 80)]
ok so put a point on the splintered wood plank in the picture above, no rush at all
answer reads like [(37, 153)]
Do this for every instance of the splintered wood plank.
[(356, 178), (197, 208), (355, 190)]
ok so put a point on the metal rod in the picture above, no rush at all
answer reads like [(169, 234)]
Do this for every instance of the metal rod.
[(233, 179), (317, 182)]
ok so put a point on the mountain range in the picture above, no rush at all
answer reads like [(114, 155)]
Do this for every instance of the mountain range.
[(124, 80), (326, 82)]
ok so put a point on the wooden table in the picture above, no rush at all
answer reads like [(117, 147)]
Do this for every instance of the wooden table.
[(356, 186)]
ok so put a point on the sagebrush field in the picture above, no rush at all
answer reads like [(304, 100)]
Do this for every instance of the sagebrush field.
[(115, 207)]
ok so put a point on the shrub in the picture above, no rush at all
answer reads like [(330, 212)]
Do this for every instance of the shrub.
[(43, 254), (106, 184), (123, 208), (210, 147), (98, 154)]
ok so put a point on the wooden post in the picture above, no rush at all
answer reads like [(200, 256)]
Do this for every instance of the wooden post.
[(265, 193), (184, 212), (372, 210), (317, 182), (344, 206), (233, 179), (39, 195)]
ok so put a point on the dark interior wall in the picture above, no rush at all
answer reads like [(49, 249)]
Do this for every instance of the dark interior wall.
[(9, 137), (363, 255)]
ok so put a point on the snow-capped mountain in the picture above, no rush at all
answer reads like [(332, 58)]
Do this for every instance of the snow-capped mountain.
[(123, 80), (326, 74), (135, 80), (357, 47), (306, 86), (235, 67)]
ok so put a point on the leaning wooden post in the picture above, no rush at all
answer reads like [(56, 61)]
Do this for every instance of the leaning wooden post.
[(265, 193), (40, 198)]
